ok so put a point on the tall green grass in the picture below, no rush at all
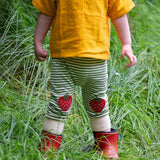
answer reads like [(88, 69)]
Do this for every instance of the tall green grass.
[(134, 93)]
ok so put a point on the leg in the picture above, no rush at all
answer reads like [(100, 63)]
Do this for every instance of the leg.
[(62, 89), (94, 95), (96, 103)]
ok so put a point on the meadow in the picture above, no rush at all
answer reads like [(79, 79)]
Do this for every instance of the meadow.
[(134, 93)]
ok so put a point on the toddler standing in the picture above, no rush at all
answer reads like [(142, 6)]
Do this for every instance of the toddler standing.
[(79, 48)]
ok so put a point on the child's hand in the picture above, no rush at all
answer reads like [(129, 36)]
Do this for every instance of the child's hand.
[(127, 51), (40, 53)]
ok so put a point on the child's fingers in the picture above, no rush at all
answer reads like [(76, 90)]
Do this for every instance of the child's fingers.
[(127, 51), (133, 62), (41, 58), (41, 55), (122, 54), (129, 55)]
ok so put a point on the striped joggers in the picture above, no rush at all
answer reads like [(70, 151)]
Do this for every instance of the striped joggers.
[(90, 74)]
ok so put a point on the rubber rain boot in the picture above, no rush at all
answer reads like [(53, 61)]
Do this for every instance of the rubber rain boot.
[(49, 142), (107, 142)]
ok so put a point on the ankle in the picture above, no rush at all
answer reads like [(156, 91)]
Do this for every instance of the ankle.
[(102, 124), (53, 126), (107, 130)]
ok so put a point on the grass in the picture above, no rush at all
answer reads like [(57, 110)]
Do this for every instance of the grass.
[(134, 93)]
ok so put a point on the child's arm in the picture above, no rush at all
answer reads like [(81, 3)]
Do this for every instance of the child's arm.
[(43, 24), (122, 28)]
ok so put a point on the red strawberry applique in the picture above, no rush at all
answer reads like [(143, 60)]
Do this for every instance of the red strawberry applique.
[(97, 104), (65, 102)]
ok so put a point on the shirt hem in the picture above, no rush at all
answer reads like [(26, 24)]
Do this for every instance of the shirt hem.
[(103, 56)]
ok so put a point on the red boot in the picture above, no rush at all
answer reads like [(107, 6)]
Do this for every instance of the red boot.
[(107, 142), (50, 142)]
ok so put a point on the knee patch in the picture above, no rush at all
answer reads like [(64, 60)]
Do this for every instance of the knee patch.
[(65, 102), (97, 104)]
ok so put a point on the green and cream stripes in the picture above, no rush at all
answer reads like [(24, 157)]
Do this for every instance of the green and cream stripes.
[(90, 74)]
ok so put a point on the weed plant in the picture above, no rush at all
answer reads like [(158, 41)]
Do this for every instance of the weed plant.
[(134, 93)]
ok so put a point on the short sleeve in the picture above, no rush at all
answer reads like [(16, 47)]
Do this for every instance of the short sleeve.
[(118, 8), (45, 6)]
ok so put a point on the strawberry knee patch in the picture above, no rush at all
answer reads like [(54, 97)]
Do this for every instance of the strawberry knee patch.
[(65, 102), (97, 104)]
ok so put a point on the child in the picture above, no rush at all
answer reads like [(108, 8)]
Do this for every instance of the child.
[(79, 46)]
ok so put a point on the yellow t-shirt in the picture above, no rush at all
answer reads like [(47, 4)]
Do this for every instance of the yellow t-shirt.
[(81, 28)]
